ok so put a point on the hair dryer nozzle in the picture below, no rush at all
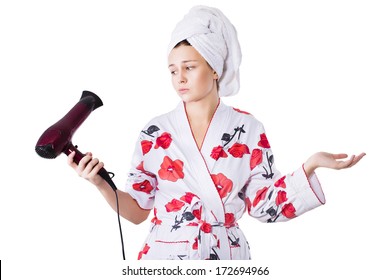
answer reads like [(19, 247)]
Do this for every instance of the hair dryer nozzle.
[(46, 151), (91, 98), (56, 138)]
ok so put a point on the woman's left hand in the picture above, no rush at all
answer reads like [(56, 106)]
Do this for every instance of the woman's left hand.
[(328, 160)]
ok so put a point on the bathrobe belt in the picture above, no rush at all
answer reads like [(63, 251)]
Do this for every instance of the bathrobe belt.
[(212, 238)]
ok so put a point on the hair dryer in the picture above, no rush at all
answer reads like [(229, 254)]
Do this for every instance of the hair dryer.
[(57, 139)]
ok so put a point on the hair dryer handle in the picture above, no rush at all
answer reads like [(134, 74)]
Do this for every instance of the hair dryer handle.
[(79, 155)]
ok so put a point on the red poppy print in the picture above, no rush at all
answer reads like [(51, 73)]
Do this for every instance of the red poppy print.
[(171, 170), (188, 197), (195, 244), (238, 150), (260, 195), (264, 141), (281, 197), (241, 111), (222, 183), (280, 183), (288, 211), (163, 141), (174, 205), (205, 227), (144, 186), (155, 220), (218, 242), (218, 152), (144, 251), (256, 158), (146, 146), (140, 167), (229, 219), (197, 214)]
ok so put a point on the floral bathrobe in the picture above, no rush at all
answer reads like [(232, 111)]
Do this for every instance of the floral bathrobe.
[(198, 195)]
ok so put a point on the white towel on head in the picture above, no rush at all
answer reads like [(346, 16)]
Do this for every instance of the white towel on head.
[(211, 33)]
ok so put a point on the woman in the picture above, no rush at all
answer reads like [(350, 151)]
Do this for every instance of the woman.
[(202, 165)]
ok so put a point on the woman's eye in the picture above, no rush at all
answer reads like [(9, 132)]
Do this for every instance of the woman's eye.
[(190, 67)]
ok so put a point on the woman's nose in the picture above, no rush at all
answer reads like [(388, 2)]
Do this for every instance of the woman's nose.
[(182, 78)]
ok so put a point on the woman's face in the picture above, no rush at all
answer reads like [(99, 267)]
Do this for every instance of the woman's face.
[(192, 77)]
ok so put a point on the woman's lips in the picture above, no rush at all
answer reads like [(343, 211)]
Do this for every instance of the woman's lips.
[(183, 90)]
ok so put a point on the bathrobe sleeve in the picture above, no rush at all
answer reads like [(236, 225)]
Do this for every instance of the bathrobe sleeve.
[(141, 184), (273, 197)]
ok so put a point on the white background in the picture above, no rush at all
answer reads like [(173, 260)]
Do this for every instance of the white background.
[(316, 73)]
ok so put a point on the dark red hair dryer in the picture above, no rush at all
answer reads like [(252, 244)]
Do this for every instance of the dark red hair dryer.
[(57, 139)]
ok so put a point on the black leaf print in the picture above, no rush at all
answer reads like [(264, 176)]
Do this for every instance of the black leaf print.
[(267, 176), (240, 130), (214, 256), (176, 226), (188, 216), (234, 241), (226, 137), (241, 195), (271, 211), (271, 159), (270, 174), (270, 194), (151, 129)]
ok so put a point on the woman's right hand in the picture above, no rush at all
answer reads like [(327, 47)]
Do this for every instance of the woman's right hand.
[(87, 168)]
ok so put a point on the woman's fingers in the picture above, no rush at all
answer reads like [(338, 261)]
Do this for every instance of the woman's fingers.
[(350, 162), (88, 167), (357, 159), (92, 168), (82, 164), (340, 156), (71, 160), (96, 169), (345, 163)]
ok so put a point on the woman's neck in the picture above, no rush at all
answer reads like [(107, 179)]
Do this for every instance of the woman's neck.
[(202, 111)]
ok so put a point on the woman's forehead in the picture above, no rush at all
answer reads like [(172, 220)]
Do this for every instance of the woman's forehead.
[(184, 54)]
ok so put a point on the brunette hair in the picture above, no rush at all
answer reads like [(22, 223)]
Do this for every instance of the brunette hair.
[(182, 43)]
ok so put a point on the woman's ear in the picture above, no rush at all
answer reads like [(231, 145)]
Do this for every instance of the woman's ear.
[(215, 75)]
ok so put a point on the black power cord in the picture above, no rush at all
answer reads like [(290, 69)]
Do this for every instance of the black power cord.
[(119, 223), (107, 176)]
